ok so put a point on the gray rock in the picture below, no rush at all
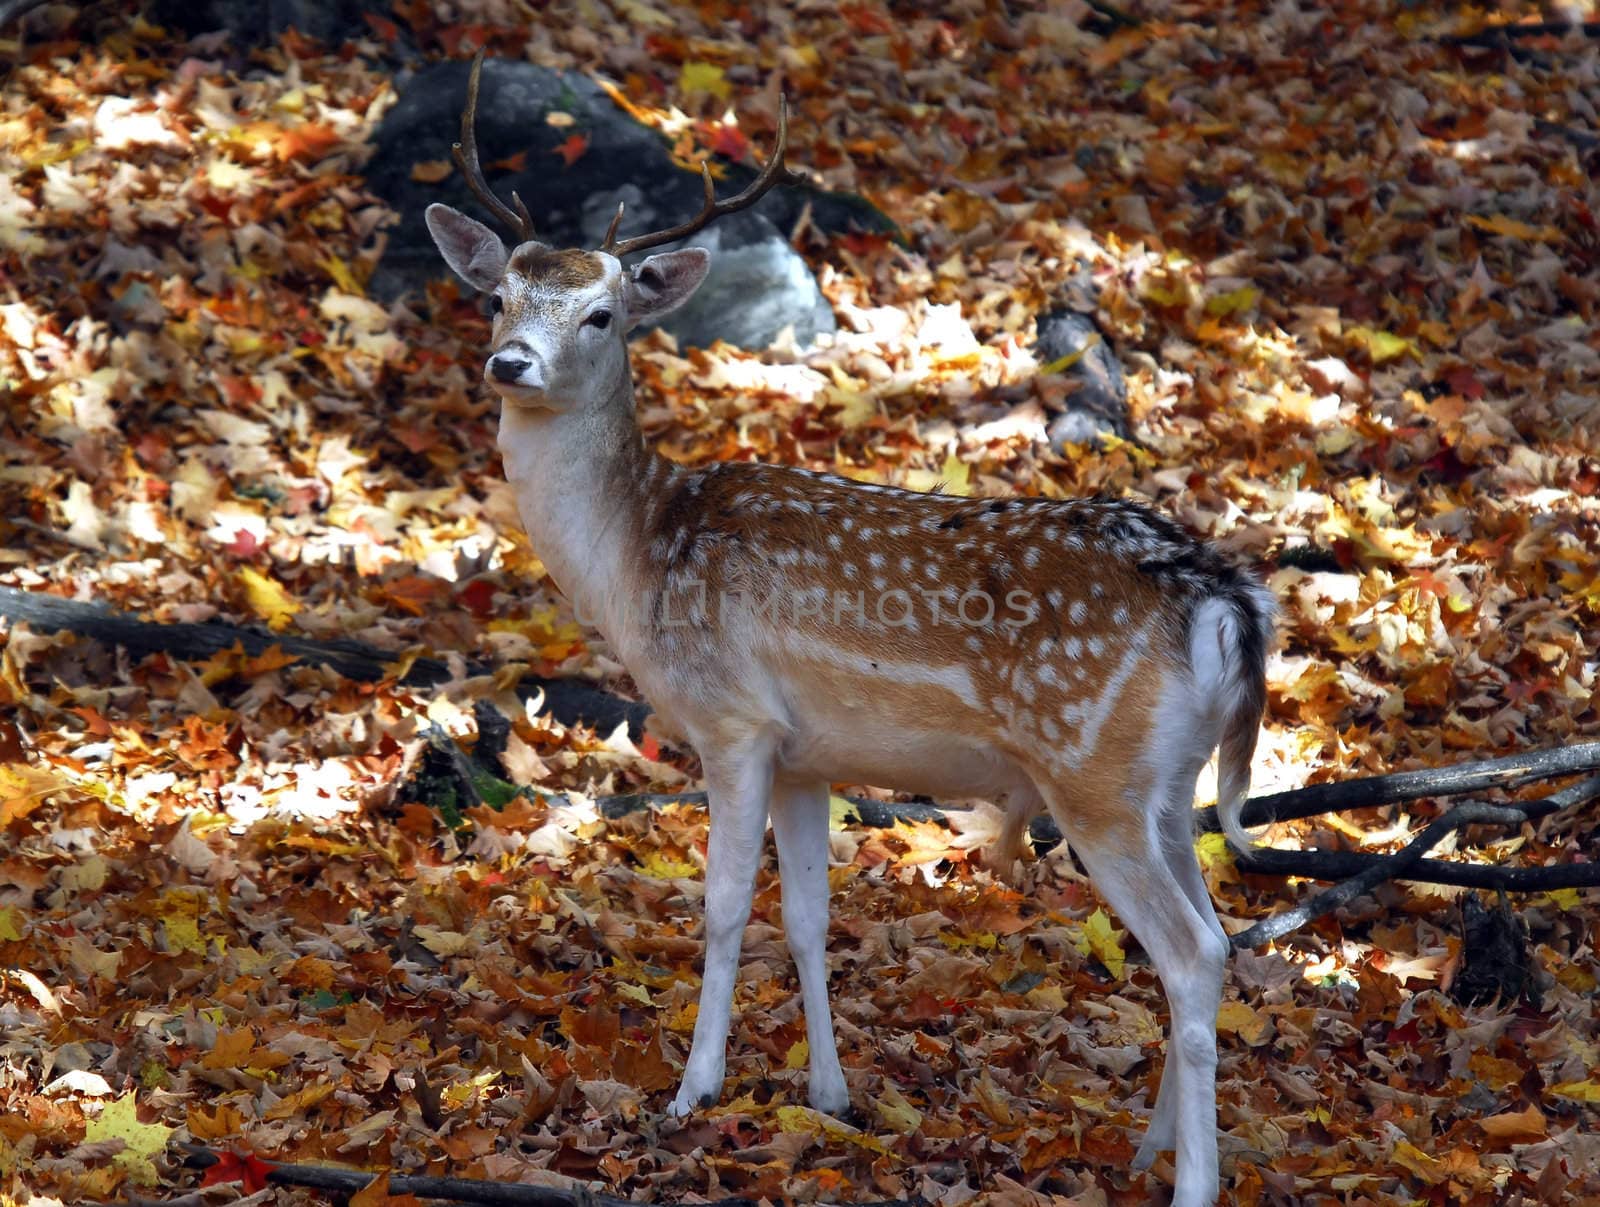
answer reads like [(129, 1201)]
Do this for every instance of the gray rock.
[(1099, 404), (758, 285)]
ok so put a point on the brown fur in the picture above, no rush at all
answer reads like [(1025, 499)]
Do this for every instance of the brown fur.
[(556, 268)]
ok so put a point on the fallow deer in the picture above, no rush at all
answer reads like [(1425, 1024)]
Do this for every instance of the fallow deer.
[(801, 629)]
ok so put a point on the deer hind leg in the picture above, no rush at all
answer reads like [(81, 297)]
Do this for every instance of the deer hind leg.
[(1133, 870), (1176, 837), (738, 784), (800, 824)]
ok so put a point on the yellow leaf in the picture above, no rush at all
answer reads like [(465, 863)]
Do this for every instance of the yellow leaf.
[(1565, 898), (142, 1142), (643, 14), (704, 77), (798, 1120), (1063, 363), (661, 867), (1411, 1158), (341, 274), (957, 475), (1579, 1091), (11, 924), (636, 993), (1237, 1018), (897, 1114), (1213, 850), (268, 599), (1234, 302), (1382, 346), (1100, 939), (799, 1055), (179, 911), (803, 1121)]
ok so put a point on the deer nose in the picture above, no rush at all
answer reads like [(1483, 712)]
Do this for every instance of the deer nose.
[(508, 367)]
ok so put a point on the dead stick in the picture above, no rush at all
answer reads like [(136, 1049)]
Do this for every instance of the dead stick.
[(567, 700)]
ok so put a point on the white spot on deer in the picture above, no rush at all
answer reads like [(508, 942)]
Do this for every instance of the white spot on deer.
[(1079, 611)]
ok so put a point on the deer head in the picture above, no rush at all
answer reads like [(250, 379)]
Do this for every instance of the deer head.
[(561, 316)]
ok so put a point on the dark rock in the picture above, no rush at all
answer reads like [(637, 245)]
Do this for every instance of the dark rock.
[(1099, 402), (573, 204)]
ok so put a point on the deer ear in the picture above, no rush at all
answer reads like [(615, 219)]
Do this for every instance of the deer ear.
[(660, 284), (473, 251)]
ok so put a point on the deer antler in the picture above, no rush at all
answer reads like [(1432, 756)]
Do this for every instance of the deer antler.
[(465, 153), (771, 174)]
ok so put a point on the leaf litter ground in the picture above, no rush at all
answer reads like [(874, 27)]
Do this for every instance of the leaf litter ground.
[(1353, 273)]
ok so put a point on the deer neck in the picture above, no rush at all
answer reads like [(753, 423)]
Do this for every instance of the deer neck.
[(580, 477)]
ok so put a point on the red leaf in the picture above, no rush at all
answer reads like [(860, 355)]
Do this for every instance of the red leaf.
[(572, 150), (244, 544), (246, 1168), (478, 597), (728, 140)]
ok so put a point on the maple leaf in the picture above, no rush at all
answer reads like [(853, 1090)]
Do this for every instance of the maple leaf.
[(245, 1168), (268, 599), (696, 76), (1100, 938), (142, 1142)]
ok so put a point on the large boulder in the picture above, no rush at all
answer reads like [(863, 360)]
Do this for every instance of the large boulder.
[(758, 285)]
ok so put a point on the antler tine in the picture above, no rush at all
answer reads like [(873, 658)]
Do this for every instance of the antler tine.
[(771, 174), (465, 153)]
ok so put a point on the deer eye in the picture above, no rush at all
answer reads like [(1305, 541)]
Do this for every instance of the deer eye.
[(495, 304), (599, 320)]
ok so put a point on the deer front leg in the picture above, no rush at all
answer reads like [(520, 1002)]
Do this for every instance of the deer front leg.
[(738, 782), (800, 824)]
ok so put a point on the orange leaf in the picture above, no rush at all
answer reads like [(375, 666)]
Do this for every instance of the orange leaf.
[(309, 141)]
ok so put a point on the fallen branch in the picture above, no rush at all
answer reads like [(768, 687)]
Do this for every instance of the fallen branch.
[(1501, 35), (1398, 787), (1404, 864), (1392, 868), (1337, 865), (567, 700)]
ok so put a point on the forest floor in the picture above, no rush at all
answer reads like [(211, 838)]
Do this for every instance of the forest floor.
[(1353, 269)]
